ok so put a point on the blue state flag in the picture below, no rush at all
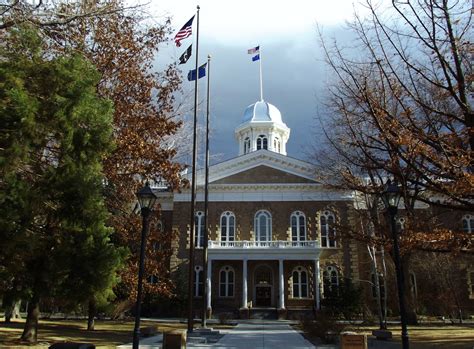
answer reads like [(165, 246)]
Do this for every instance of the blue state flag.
[(256, 58), (202, 73)]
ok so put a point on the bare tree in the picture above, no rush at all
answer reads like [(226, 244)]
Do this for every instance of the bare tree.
[(401, 108)]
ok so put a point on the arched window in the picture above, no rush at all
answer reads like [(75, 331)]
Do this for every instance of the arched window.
[(298, 226), (400, 224), (262, 142), (300, 282), (198, 281), (381, 285), (247, 145), (227, 226), (226, 282), (263, 226), (263, 275), (152, 279), (470, 282), (330, 281), (328, 233), (276, 144), (199, 229), (468, 223), (413, 286)]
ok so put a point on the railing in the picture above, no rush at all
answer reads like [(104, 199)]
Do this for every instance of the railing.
[(263, 244)]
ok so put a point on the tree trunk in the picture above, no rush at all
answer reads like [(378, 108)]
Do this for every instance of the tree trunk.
[(8, 305), (30, 331), (91, 314)]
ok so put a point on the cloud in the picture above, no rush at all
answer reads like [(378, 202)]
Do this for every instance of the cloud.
[(294, 73)]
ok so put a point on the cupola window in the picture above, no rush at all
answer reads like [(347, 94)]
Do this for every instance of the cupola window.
[(276, 145), (247, 145), (262, 142)]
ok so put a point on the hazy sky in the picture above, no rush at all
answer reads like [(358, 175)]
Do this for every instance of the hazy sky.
[(294, 73)]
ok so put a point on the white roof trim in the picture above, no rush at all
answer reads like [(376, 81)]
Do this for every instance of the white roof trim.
[(254, 159)]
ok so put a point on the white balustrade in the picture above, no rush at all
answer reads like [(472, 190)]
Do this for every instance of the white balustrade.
[(263, 244)]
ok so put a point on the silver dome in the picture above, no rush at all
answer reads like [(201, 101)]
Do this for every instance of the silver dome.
[(262, 111)]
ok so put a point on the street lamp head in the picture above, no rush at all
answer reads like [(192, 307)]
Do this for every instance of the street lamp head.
[(391, 195), (146, 197)]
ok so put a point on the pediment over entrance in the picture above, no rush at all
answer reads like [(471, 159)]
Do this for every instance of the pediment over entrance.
[(262, 174), (257, 167)]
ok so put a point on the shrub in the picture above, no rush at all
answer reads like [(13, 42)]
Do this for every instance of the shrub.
[(325, 326), (224, 318), (344, 301)]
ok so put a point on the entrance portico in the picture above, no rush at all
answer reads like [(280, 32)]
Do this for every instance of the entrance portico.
[(263, 269)]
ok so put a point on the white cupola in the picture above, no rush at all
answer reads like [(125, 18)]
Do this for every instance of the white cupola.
[(262, 128)]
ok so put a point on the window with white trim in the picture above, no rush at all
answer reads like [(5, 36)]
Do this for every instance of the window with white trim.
[(226, 282), (199, 229), (374, 286), (247, 145), (263, 226), (298, 226), (276, 145), (198, 281), (413, 286), (400, 224), (262, 142), (152, 279), (470, 283), (330, 281), (300, 282), (468, 223), (227, 226), (328, 232)]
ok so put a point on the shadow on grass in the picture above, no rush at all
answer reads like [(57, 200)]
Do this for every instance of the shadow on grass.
[(107, 333)]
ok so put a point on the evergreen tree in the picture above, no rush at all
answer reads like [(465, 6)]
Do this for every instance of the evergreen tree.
[(55, 134)]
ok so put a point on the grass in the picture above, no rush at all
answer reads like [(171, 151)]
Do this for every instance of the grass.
[(107, 334), (433, 336)]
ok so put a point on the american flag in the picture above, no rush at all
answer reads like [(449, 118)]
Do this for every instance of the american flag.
[(253, 50), (184, 32)]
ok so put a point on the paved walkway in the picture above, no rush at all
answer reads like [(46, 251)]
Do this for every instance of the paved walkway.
[(259, 336)]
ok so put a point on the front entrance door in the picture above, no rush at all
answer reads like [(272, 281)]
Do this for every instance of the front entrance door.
[(264, 296)]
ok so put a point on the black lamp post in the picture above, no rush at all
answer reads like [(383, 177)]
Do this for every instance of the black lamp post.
[(146, 199), (391, 197)]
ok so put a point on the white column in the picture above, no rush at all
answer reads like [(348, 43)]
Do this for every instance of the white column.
[(281, 283), (316, 284), (208, 283), (244, 284)]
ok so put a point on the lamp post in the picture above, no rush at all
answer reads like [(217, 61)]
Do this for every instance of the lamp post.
[(391, 197), (146, 199)]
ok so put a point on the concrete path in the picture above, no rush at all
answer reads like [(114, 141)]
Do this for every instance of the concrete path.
[(259, 336)]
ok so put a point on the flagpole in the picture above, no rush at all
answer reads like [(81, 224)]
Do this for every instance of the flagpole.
[(261, 80), (193, 191), (206, 198)]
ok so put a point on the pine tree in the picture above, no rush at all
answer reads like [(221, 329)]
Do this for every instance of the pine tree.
[(56, 132)]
